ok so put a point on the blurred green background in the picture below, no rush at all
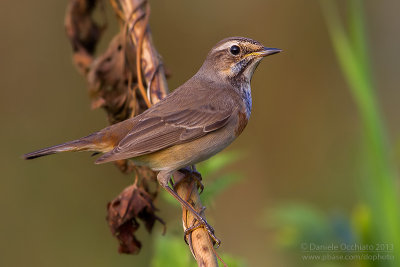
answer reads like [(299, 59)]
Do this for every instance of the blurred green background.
[(306, 157)]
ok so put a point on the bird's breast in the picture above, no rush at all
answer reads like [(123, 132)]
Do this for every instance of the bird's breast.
[(241, 123)]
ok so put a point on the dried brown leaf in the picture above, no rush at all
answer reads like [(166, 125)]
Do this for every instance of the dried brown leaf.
[(82, 31), (132, 204), (108, 80)]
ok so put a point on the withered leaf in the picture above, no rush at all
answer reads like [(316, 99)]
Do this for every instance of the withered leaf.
[(132, 204), (82, 31), (128, 243), (109, 81)]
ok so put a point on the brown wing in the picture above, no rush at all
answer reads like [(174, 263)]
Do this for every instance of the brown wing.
[(176, 120), (156, 133)]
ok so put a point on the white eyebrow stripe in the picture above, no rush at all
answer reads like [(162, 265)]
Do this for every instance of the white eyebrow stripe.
[(225, 45)]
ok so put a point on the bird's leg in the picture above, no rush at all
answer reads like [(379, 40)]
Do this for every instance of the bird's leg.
[(163, 178), (192, 173)]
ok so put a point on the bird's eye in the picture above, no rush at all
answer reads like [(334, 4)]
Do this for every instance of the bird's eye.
[(235, 50)]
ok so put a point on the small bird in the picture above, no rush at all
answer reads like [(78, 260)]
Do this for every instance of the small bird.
[(193, 123)]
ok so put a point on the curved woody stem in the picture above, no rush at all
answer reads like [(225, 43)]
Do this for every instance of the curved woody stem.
[(113, 85)]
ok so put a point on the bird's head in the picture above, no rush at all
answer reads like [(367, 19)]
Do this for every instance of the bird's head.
[(236, 58)]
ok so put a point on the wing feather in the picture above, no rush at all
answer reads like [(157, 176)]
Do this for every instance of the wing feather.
[(176, 120)]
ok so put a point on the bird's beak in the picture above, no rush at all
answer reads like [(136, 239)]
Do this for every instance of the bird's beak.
[(266, 51)]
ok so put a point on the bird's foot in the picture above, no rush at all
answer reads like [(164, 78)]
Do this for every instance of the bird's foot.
[(202, 223), (191, 172)]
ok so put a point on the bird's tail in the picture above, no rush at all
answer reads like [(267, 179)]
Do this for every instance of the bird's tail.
[(83, 144)]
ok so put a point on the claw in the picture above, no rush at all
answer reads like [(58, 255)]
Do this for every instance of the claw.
[(197, 177), (202, 224), (192, 173)]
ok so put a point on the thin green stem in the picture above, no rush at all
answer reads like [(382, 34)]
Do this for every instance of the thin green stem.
[(380, 184)]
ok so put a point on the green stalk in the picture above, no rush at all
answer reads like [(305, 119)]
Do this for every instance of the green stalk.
[(381, 194)]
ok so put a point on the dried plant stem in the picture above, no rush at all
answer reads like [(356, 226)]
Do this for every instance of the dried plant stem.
[(138, 57), (199, 241), (148, 62)]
